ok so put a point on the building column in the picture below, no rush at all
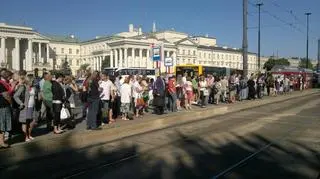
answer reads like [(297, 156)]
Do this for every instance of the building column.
[(96, 62), (48, 51), (133, 61), (100, 63), (148, 57), (16, 59), (3, 50), (39, 52), (29, 56), (125, 56), (140, 57), (111, 58), (120, 57), (116, 58)]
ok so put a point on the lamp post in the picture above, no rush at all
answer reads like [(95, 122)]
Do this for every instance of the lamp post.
[(245, 37), (307, 61), (259, 35)]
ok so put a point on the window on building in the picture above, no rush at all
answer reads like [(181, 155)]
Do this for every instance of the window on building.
[(200, 54), (222, 56), (54, 49), (78, 62), (62, 50), (70, 62), (194, 52), (209, 56), (194, 61), (218, 56), (204, 55), (78, 51), (183, 52), (70, 51), (189, 53), (214, 56)]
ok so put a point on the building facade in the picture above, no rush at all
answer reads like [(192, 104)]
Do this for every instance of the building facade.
[(24, 48)]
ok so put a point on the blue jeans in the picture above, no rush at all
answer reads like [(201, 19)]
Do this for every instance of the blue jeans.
[(173, 102), (92, 113)]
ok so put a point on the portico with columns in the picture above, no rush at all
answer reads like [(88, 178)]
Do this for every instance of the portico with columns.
[(18, 49)]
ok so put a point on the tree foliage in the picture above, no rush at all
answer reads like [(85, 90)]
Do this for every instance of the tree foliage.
[(303, 63), (272, 62), (105, 63), (84, 67)]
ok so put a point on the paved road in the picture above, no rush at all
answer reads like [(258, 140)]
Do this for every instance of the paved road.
[(280, 140)]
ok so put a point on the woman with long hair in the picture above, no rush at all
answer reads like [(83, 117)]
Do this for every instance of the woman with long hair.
[(204, 93), (24, 97), (57, 102), (189, 93)]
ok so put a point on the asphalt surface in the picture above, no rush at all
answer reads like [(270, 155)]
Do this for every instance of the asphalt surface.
[(280, 140), (275, 141)]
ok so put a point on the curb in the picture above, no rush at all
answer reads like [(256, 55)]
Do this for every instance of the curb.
[(79, 140)]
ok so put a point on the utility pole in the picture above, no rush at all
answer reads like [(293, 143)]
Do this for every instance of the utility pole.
[(318, 56), (245, 38), (259, 35), (307, 14)]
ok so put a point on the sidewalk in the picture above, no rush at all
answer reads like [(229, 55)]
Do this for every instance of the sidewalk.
[(80, 139)]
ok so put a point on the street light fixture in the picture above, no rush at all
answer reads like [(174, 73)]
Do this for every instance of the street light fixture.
[(307, 60), (259, 36)]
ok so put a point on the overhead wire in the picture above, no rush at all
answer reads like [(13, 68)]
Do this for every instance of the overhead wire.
[(292, 25)]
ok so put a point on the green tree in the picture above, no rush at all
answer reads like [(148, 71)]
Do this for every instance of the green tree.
[(84, 67), (105, 63), (65, 68), (272, 62), (303, 63)]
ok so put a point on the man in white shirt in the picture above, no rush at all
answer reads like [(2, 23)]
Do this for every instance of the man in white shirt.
[(105, 85)]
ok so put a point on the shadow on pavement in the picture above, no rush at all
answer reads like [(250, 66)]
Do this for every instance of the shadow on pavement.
[(186, 157), (190, 157)]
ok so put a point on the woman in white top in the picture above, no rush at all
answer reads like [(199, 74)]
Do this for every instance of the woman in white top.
[(137, 91), (204, 93), (126, 94), (189, 93), (25, 99)]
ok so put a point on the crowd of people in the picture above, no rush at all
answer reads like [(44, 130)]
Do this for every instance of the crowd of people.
[(27, 100)]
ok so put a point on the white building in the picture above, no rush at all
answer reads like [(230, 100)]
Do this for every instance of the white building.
[(20, 50)]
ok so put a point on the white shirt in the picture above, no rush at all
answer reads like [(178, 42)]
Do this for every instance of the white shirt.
[(125, 92), (203, 85), (31, 101), (184, 80), (136, 89), (106, 89)]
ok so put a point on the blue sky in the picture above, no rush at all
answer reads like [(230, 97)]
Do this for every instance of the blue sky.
[(219, 18)]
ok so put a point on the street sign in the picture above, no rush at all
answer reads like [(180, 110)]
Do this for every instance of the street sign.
[(156, 54), (168, 62)]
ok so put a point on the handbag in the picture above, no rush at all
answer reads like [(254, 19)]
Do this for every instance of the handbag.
[(64, 113)]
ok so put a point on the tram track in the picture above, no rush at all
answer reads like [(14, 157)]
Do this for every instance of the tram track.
[(224, 125)]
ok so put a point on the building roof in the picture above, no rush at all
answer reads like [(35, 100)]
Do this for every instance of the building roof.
[(103, 38), (203, 36), (185, 39), (66, 39), (222, 49)]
